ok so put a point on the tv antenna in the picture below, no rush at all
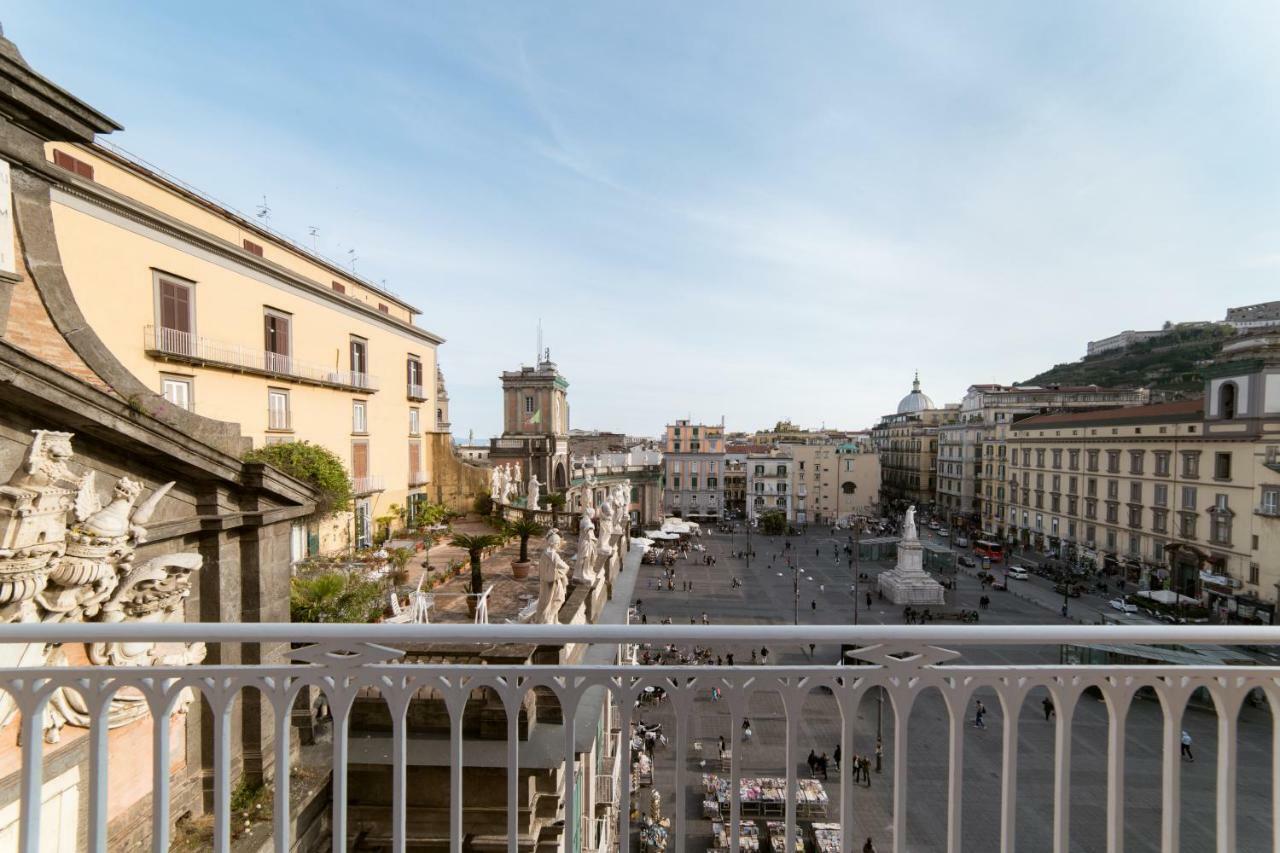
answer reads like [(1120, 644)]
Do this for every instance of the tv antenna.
[(351, 255), (537, 355), (264, 212), (315, 233)]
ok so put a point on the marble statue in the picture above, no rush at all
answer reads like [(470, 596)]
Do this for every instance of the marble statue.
[(909, 524), (588, 549), (68, 556), (605, 537), (515, 474), (535, 492), (553, 581), (908, 582)]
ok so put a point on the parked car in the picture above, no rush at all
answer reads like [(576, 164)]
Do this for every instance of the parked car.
[(1123, 606), (966, 561), (1016, 573), (962, 541), (944, 532)]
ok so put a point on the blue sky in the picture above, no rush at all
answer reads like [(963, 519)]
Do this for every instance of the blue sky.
[(748, 210)]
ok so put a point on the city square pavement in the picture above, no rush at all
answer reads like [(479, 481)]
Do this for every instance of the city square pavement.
[(767, 597)]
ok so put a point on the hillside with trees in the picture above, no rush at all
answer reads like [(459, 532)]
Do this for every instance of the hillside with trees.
[(1170, 363)]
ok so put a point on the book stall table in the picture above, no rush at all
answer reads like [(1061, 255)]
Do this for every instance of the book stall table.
[(811, 799), (778, 837), (826, 837), (748, 836), (765, 796)]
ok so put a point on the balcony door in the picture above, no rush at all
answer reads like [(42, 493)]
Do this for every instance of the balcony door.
[(360, 464), (359, 360), (277, 339), (176, 320)]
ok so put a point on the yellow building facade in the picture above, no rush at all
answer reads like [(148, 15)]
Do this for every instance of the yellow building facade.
[(225, 318)]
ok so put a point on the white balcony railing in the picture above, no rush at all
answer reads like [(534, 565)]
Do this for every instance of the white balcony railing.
[(899, 664), (418, 478), (368, 484), (184, 346), (415, 392)]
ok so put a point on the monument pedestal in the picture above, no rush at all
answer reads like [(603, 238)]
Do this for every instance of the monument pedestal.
[(908, 582)]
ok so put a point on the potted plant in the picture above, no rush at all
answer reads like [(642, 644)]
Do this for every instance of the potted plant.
[(524, 528), (475, 545)]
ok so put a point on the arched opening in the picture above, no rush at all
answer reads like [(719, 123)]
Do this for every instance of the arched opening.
[(848, 488), (561, 481), (1227, 400)]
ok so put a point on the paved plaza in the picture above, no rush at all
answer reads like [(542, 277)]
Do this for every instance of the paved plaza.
[(767, 596)]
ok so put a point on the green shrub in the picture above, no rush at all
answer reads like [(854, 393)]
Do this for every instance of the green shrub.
[(335, 597), (773, 523), (316, 466)]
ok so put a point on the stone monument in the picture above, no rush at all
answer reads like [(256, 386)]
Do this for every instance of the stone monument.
[(588, 549), (553, 581), (908, 583)]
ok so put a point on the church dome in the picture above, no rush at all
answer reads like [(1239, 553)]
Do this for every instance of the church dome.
[(916, 401)]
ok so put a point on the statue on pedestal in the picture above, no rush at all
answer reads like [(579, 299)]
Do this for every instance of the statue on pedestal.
[(515, 473), (553, 581), (535, 492), (588, 549), (909, 524), (604, 534)]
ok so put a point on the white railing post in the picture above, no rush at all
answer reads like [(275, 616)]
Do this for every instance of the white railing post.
[(902, 703), (1064, 713), (1173, 704), (98, 698), (956, 704), (1118, 699), (626, 699), (31, 708)]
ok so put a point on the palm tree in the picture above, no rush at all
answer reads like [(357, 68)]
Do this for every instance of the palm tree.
[(475, 544), (524, 528)]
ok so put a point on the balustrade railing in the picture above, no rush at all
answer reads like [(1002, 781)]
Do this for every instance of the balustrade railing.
[(368, 484), (900, 664), (186, 346)]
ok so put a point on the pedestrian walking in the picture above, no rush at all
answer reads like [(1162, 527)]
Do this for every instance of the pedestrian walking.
[(729, 658), (868, 598), (1047, 704), (1186, 746), (835, 756), (813, 605), (879, 754), (869, 847), (753, 656), (980, 711), (866, 770), (764, 655), (822, 765), (746, 730), (813, 763)]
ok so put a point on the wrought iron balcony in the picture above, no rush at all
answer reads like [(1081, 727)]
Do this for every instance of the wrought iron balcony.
[(901, 665), (415, 392), (368, 484), (173, 345)]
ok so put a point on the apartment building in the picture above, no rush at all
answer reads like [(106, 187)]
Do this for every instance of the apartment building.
[(1251, 318), (221, 316), (907, 442), (769, 484), (1184, 495), (832, 480), (971, 451), (693, 471)]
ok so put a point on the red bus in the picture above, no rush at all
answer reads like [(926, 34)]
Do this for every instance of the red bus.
[(992, 551)]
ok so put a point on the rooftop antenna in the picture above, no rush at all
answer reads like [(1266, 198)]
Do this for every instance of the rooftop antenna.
[(315, 233), (351, 254), (264, 212), (537, 356)]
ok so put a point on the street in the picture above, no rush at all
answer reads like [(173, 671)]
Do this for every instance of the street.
[(768, 596)]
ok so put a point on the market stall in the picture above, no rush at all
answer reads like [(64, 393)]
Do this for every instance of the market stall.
[(826, 837)]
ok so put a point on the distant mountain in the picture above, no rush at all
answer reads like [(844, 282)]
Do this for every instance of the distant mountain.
[(1170, 363)]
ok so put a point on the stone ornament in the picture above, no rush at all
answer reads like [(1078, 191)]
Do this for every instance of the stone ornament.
[(553, 581), (66, 556), (535, 492)]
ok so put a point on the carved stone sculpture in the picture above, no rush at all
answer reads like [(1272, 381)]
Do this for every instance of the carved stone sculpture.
[(535, 492), (553, 581), (909, 524), (604, 536), (50, 572), (588, 549)]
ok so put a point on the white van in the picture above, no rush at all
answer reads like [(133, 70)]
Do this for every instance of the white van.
[(1016, 573)]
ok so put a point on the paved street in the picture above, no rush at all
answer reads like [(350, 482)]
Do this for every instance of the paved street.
[(767, 597)]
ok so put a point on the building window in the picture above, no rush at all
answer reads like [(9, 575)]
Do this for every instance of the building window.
[(1039, 458), (1160, 497), (175, 310), (1135, 545), (1157, 550), (1187, 525), (1113, 461), (1113, 513), (1135, 516), (415, 422), (1057, 483), (1111, 541), (72, 164), (1090, 509), (693, 481), (177, 390), (1191, 463), (382, 306), (359, 417), (277, 340), (359, 358), (1222, 466), (277, 408), (1057, 458), (1090, 534), (252, 248), (1073, 459), (1227, 400), (1159, 520), (1026, 458), (1113, 490), (1092, 460), (1189, 498), (359, 461), (415, 463), (1270, 500), (528, 404), (1072, 505), (1135, 493), (1162, 463), (1253, 574), (413, 375), (1136, 460), (339, 287)]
